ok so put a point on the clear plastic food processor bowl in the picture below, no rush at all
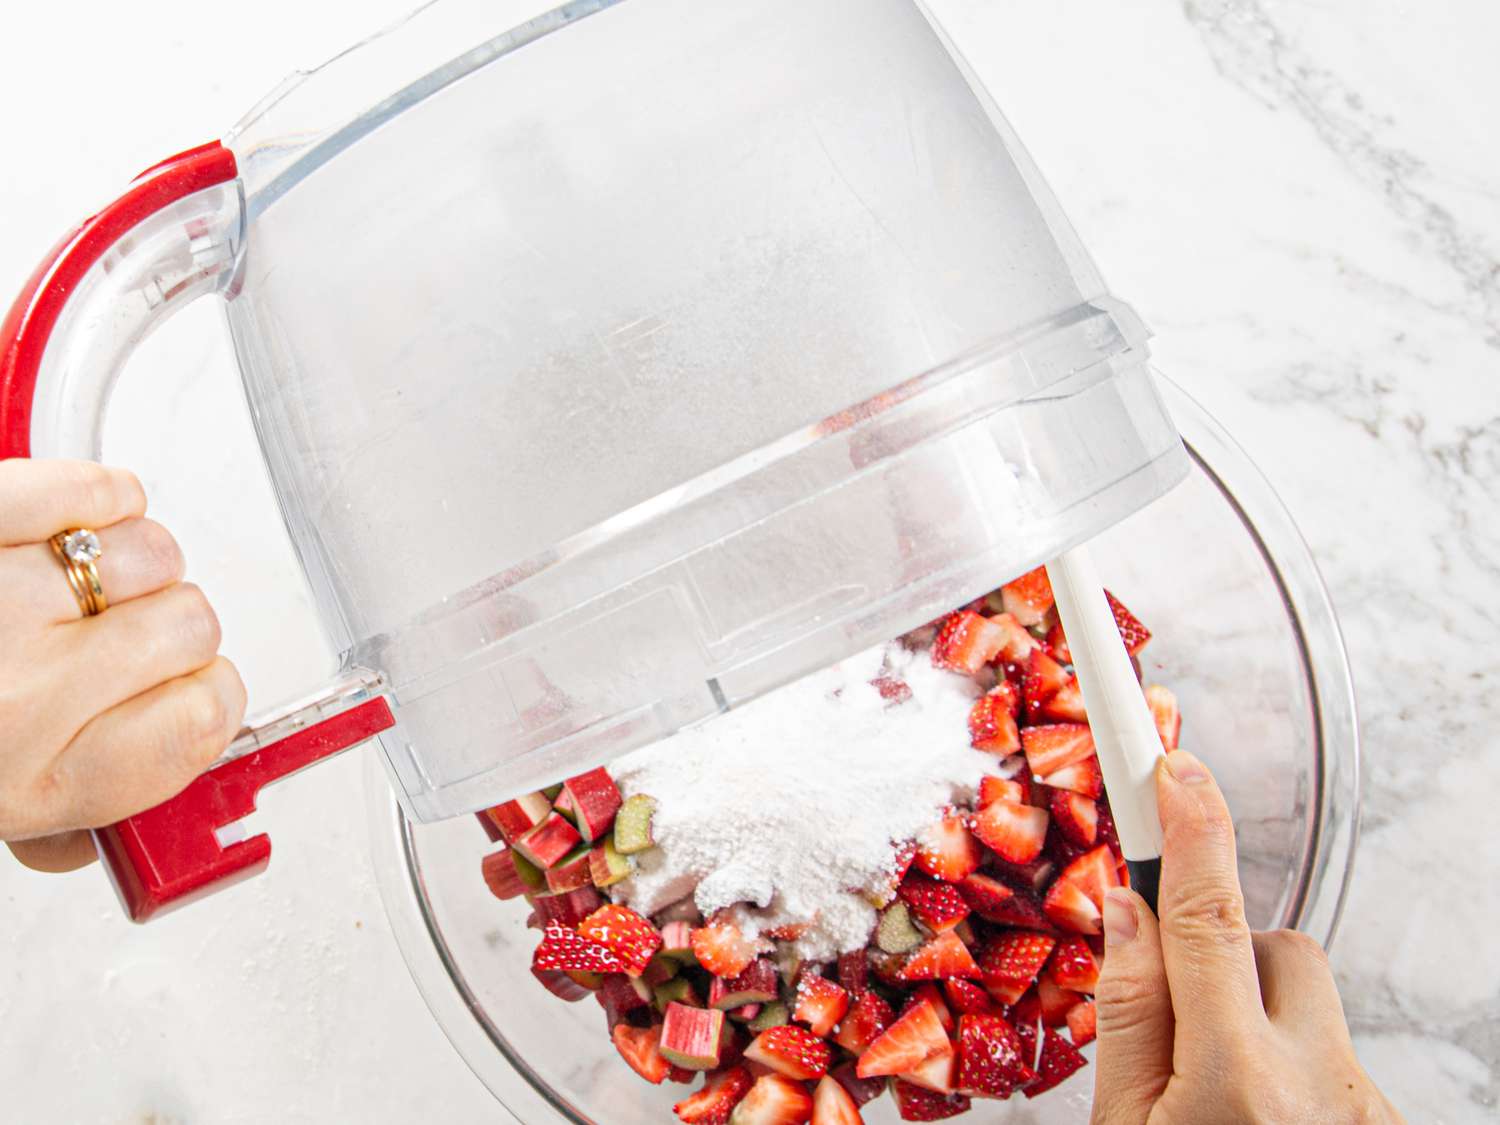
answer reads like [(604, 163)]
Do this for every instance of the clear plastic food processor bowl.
[(1243, 633)]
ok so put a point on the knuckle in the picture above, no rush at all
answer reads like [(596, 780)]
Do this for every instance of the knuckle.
[(94, 487), (161, 554), (1299, 945), (1208, 911), (200, 624), (1126, 1001), (205, 713)]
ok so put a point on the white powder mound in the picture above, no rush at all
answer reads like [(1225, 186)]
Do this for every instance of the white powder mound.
[(793, 804)]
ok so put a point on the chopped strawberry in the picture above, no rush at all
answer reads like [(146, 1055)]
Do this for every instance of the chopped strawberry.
[(1074, 965), (1043, 678), (866, 1021), (713, 1104), (938, 1074), (938, 906), (792, 1051), (1052, 746), (992, 789), (1132, 632), (1082, 777), (1011, 961), (916, 1104), (570, 907), (641, 1048), (1055, 1000), (1083, 1023), (1057, 644), (854, 971), (946, 850), (992, 727), (1068, 906), (692, 1037), (820, 1003), (995, 902), (1077, 818), (1066, 705), (862, 1090), (774, 1100), (1018, 643), (944, 956), (564, 949), (1029, 597), (891, 689), (1025, 1016), (990, 1057), (1059, 1059), (833, 1105), (722, 949), (967, 998), (1093, 873), (501, 876), (1013, 832), (967, 642), (625, 933), (1010, 695), (906, 1044), (1034, 877), (1165, 712), (928, 991)]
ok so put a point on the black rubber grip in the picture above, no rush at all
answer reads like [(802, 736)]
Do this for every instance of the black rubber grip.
[(1145, 879)]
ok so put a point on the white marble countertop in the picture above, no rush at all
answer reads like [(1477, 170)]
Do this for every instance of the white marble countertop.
[(1302, 198)]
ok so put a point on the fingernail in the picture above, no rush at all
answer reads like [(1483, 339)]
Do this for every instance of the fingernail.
[(1120, 921), (1186, 768)]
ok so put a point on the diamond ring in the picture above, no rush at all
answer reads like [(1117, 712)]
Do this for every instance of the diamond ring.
[(78, 550)]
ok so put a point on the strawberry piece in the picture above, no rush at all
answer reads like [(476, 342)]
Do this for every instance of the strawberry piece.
[(916, 1104), (625, 933), (967, 998), (1057, 644), (1070, 907), (516, 818), (500, 875), (833, 1105), (1025, 1017), (1034, 877), (1083, 1023), (569, 907), (938, 906), (891, 689), (1066, 705), (944, 956), (1093, 873), (692, 1037), (792, 1051), (906, 1044), (938, 1074), (820, 1004), (1009, 694), (722, 949), (990, 1057), (866, 1021), (928, 991), (1059, 1059), (712, 1105), (1055, 1000), (947, 851), (1012, 831), (1132, 632), (564, 949), (1043, 678), (1018, 644), (774, 1100), (1029, 597), (862, 1090), (854, 971), (1081, 777), (1077, 818), (595, 798), (1074, 965), (640, 1047), (992, 727), (1011, 961), (995, 902), (967, 642), (992, 789), (1052, 746), (758, 984), (1165, 712)]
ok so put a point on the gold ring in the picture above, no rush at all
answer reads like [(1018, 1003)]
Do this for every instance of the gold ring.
[(78, 550)]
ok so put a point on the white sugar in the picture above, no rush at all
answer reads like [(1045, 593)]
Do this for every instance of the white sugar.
[(788, 808)]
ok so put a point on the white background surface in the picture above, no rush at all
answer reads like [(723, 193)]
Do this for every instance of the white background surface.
[(1304, 201)]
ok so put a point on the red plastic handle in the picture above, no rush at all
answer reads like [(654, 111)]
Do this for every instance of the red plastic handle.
[(170, 855)]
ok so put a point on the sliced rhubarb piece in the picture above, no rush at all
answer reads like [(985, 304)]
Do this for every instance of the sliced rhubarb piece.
[(561, 985), (571, 872), (1132, 632), (773, 1014), (1043, 678), (1074, 965), (745, 1012), (990, 1057), (1056, 1001), (565, 949), (1012, 831), (943, 957), (633, 825), (819, 1003), (1165, 713), (722, 949), (1058, 1060), (966, 642), (1081, 777), (659, 970), (1066, 705), (947, 850), (1083, 1023), (516, 818), (865, 1021), (939, 1073), (774, 1100), (501, 876), (640, 1047), (563, 806), (606, 865), (1011, 961), (992, 727), (569, 907), (914, 1103), (690, 1036), (677, 940), (1076, 817), (618, 997), (756, 984), (1029, 597), (1052, 746), (596, 799), (833, 1105), (936, 905), (792, 1051), (713, 1104), (532, 875), (906, 1044), (491, 830), (968, 998), (625, 933), (895, 932), (548, 842)]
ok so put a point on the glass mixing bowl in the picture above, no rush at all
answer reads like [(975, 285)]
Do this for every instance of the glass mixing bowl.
[(1244, 634)]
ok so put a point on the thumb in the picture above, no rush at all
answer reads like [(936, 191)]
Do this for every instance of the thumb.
[(1134, 1007)]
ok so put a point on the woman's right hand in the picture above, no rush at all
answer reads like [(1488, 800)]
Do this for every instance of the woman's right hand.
[(104, 716)]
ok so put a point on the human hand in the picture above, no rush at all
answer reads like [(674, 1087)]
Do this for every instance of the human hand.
[(103, 716), (1199, 1020)]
